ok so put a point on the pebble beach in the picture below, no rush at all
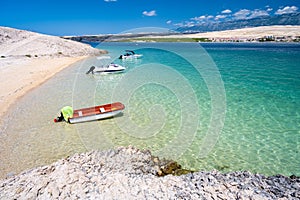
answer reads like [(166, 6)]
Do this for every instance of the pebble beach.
[(130, 173)]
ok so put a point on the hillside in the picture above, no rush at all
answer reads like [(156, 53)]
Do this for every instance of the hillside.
[(256, 32), (276, 20), (16, 42), (273, 33)]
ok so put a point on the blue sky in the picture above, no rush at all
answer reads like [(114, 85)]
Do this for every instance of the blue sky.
[(59, 17)]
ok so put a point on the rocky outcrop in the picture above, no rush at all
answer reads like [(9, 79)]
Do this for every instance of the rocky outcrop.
[(129, 173)]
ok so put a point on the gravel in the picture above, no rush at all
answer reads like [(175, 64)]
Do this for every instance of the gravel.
[(130, 173)]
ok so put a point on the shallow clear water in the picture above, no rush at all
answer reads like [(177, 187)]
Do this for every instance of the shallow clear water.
[(228, 107)]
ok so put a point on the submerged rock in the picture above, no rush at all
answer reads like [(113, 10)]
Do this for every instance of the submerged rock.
[(171, 167)]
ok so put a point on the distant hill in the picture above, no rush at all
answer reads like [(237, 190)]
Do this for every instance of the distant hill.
[(15, 42), (285, 19)]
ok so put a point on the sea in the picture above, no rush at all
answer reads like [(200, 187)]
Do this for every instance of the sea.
[(224, 106)]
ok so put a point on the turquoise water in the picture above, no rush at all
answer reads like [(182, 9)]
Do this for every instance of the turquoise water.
[(224, 106)]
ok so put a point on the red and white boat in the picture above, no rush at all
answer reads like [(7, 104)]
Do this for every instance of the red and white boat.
[(96, 112)]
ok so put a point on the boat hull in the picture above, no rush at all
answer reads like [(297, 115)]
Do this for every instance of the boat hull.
[(112, 68), (134, 56), (109, 70), (96, 112), (94, 117)]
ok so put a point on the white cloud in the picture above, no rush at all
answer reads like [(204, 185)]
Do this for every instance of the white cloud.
[(179, 24), (249, 14), (269, 9), (220, 17), (239, 15), (169, 22), (242, 14), (227, 11), (150, 13), (110, 0), (258, 13), (286, 10), (189, 24), (200, 18)]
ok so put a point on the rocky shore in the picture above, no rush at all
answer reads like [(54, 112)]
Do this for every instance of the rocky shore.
[(130, 173)]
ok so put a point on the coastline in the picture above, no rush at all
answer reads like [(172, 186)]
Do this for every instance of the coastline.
[(125, 172), (278, 33), (28, 59), (130, 173), (21, 77)]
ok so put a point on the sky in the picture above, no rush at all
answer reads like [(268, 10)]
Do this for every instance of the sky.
[(91, 17)]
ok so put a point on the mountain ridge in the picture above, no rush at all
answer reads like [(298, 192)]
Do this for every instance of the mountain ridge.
[(284, 19)]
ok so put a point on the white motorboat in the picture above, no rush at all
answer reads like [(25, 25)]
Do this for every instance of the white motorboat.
[(130, 55), (111, 68)]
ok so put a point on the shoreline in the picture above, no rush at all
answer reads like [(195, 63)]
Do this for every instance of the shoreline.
[(130, 173), (33, 72), (276, 33), (28, 59), (126, 172)]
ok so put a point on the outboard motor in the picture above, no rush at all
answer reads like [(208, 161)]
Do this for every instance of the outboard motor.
[(91, 70)]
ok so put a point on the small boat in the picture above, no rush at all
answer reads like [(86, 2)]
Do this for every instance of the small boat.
[(111, 68), (96, 113), (130, 55)]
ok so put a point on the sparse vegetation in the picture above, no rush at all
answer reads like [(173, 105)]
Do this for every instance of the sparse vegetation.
[(202, 39), (165, 39), (159, 40)]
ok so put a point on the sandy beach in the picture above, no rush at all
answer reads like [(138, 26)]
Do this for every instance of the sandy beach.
[(17, 79), (28, 59)]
